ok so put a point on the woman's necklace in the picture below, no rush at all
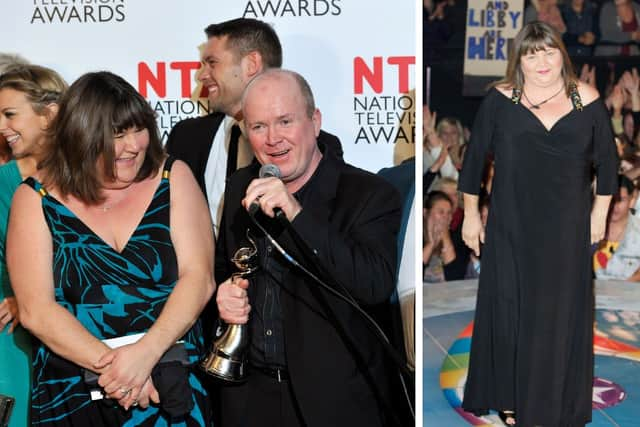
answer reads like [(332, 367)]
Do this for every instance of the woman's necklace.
[(106, 206), (537, 106)]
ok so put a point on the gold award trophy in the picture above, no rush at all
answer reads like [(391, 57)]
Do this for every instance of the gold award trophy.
[(229, 352)]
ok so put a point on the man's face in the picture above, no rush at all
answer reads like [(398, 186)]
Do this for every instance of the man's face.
[(280, 130), (223, 75)]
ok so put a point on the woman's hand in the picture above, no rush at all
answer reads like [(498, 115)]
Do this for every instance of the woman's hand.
[(473, 232), (148, 394), (599, 213), (127, 369), (9, 314), (598, 227)]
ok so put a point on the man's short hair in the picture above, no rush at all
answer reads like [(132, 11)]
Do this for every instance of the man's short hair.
[(303, 86), (245, 35)]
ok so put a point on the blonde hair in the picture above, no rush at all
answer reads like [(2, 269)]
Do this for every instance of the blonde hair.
[(9, 60), (41, 85)]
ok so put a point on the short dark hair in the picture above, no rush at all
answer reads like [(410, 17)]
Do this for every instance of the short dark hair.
[(625, 182), (96, 107), (435, 196), (245, 35)]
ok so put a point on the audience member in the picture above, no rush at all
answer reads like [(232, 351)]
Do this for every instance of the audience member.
[(456, 269), (619, 28), (437, 248), (436, 30), (436, 160), (451, 133), (581, 20), (618, 255), (545, 11)]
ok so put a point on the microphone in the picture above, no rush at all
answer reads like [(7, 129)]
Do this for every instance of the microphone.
[(267, 171)]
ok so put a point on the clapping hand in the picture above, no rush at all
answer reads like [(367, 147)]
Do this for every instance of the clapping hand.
[(630, 81), (616, 98), (435, 231), (588, 75), (429, 128)]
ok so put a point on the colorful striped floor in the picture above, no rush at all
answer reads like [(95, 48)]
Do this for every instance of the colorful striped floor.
[(447, 338)]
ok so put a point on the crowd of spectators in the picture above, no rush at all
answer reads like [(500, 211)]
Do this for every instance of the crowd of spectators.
[(601, 28)]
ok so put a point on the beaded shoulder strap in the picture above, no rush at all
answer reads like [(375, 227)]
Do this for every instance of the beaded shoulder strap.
[(37, 187), (516, 94), (575, 97), (166, 171)]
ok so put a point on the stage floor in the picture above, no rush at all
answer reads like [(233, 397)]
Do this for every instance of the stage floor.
[(448, 313)]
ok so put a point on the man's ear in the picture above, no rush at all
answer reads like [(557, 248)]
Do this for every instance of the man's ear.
[(252, 64), (316, 118)]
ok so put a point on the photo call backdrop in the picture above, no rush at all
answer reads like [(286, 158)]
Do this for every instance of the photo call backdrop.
[(358, 56)]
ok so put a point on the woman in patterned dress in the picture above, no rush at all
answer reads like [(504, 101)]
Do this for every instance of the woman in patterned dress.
[(115, 241)]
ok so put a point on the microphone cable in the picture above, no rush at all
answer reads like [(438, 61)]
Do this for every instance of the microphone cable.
[(400, 362)]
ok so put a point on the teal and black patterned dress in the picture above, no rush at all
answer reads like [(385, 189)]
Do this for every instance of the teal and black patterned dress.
[(112, 294)]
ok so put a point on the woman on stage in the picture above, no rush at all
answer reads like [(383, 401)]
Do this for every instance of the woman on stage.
[(532, 346)]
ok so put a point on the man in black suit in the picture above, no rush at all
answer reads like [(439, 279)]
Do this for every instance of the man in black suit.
[(213, 146), (313, 361)]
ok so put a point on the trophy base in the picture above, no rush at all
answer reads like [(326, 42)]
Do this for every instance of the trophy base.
[(225, 367)]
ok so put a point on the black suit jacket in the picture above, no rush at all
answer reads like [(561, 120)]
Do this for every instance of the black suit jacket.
[(190, 140), (338, 370)]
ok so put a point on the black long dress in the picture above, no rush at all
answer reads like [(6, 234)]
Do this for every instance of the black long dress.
[(532, 346)]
